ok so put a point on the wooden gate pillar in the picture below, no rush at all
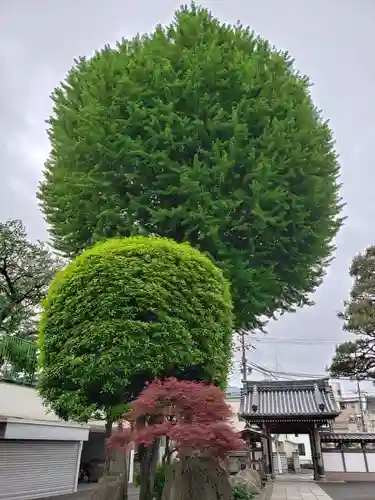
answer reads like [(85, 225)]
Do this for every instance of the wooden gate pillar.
[(313, 454), (319, 457), (269, 462)]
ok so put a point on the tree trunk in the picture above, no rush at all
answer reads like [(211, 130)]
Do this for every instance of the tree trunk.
[(107, 452), (197, 478), (149, 461)]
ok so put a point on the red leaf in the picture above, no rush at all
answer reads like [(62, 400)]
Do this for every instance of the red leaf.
[(193, 415)]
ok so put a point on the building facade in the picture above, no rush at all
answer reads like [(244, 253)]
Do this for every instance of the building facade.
[(40, 455), (357, 410)]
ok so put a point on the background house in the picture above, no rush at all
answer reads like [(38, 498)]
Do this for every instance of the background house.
[(357, 410), (39, 454)]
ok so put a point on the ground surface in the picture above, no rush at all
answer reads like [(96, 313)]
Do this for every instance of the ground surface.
[(298, 490), (349, 491), (84, 494), (293, 487)]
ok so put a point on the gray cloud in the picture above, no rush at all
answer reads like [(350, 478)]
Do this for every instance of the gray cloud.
[(331, 42)]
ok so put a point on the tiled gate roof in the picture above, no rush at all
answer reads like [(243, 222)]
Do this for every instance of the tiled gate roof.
[(287, 399)]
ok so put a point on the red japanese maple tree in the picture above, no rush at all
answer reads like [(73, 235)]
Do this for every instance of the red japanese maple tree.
[(193, 415)]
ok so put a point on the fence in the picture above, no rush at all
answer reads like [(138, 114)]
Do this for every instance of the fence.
[(18, 360), (349, 457)]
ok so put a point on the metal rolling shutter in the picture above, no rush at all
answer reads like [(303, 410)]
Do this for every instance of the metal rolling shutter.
[(35, 469)]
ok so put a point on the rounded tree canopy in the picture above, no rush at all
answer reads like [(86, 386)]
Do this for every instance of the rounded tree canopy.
[(201, 132), (128, 310)]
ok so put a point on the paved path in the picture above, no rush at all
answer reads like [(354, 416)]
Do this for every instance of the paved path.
[(84, 493), (299, 490)]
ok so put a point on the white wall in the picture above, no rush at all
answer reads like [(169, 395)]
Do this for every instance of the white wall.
[(333, 462), (22, 402), (235, 405), (18, 401), (354, 461), (289, 444), (371, 461)]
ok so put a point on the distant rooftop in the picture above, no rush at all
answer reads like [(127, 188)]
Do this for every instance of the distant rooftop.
[(233, 393)]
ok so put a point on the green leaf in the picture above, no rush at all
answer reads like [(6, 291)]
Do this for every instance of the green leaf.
[(199, 131), (126, 311)]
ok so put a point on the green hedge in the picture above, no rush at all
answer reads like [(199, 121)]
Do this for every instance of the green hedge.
[(128, 310)]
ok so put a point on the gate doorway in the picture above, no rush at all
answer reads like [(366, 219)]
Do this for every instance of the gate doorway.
[(298, 407)]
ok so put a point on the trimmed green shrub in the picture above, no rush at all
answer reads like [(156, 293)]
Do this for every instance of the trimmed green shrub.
[(128, 310)]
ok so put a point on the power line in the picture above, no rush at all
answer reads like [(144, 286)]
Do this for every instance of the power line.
[(277, 340), (292, 375)]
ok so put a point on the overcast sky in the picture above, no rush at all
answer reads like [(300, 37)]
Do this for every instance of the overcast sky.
[(332, 41)]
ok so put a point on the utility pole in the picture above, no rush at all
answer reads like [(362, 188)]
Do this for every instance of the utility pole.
[(361, 405), (243, 357), (360, 397)]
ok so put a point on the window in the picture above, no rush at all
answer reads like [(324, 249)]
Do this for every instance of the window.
[(301, 449), (328, 445), (352, 445)]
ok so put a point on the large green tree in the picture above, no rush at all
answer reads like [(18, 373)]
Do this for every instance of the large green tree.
[(357, 356), (26, 271), (128, 310), (202, 132)]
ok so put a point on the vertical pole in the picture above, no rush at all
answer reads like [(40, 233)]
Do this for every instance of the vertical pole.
[(266, 453), (243, 356), (278, 459), (79, 454), (341, 444), (131, 466), (270, 461), (363, 446), (363, 425), (319, 456), (313, 454)]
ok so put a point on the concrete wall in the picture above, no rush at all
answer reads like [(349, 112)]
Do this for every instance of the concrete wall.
[(22, 402), (349, 464), (235, 405)]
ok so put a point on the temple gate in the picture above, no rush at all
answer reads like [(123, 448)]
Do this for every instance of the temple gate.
[(289, 407)]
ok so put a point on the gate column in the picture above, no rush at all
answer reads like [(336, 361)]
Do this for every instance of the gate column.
[(313, 454), (319, 457)]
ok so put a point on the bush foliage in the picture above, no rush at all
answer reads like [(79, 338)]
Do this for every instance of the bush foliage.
[(240, 493), (193, 415), (128, 310), (356, 358), (203, 132)]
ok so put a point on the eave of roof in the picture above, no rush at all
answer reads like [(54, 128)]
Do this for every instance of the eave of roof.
[(288, 400)]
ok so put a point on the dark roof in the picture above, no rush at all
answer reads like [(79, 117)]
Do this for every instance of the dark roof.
[(287, 398), (347, 436)]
